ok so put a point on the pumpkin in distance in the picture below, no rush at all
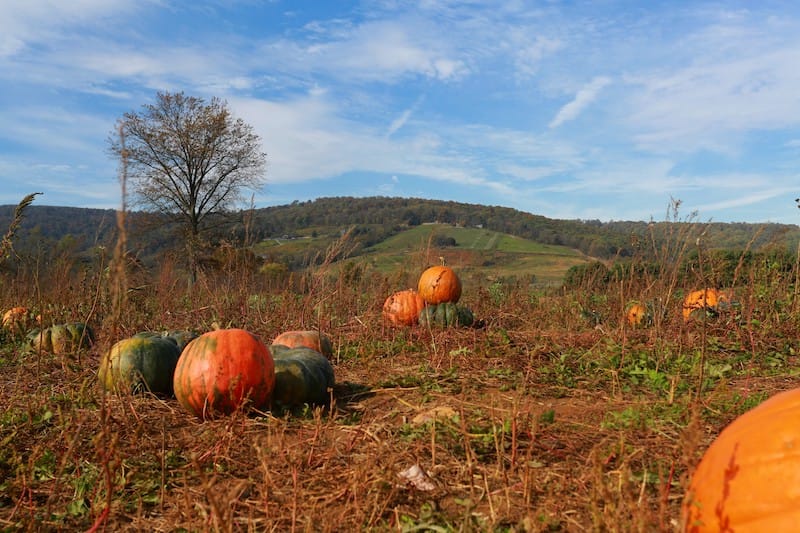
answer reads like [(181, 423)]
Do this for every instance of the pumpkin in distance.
[(637, 314), (302, 376), (140, 363), (403, 307), (446, 315), (704, 300), (749, 477), (16, 319), (61, 339), (222, 371), (313, 339), (439, 284)]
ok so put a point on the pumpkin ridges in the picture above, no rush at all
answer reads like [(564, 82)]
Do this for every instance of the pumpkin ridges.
[(302, 375), (446, 314)]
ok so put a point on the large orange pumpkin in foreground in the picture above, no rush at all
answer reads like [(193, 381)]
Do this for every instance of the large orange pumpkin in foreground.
[(313, 339), (222, 371), (403, 307), (439, 284), (749, 478), (703, 299)]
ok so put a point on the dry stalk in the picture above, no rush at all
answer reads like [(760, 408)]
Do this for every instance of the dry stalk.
[(7, 243)]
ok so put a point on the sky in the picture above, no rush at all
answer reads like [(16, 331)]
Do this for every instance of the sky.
[(609, 110)]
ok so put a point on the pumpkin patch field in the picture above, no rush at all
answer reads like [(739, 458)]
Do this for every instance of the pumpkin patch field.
[(352, 399)]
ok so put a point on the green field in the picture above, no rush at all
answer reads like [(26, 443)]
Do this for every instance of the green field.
[(478, 252)]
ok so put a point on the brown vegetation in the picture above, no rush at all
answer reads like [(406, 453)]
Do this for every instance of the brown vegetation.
[(555, 415)]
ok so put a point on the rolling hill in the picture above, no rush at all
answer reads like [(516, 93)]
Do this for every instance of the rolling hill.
[(390, 233)]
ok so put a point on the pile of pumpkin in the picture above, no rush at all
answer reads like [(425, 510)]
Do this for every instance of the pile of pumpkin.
[(59, 339), (223, 370), (210, 374), (433, 303)]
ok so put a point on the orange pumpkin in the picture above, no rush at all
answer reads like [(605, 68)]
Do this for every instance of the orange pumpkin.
[(402, 308), (16, 319), (222, 371), (313, 339), (636, 314), (439, 284), (703, 299), (749, 478)]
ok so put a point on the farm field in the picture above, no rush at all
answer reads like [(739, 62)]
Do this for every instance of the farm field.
[(476, 250), (551, 414)]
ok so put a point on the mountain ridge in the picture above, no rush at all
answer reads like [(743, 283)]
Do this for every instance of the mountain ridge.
[(377, 218)]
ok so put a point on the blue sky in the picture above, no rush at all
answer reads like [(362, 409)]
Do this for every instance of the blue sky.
[(581, 110)]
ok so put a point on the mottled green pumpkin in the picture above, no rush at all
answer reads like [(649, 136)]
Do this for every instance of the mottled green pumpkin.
[(140, 363), (446, 315), (302, 376), (61, 339), (180, 337)]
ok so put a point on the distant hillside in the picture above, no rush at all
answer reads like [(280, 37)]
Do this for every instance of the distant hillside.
[(378, 218), (373, 220)]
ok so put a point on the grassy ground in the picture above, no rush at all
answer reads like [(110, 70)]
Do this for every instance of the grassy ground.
[(552, 416)]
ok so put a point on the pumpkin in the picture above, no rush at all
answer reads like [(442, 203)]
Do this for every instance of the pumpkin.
[(140, 363), (313, 339), (703, 301), (61, 339), (439, 284), (222, 371), (402, 308), (180, 337), (749, 478), (16, 319), (446, 314), (637, 315), (302, 376)]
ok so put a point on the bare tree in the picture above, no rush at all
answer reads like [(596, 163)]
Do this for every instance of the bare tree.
[(188, 159)]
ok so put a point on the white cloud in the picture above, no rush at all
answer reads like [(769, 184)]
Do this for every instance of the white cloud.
[(529, 55), (582, 99), (738, 80), (398, 122)]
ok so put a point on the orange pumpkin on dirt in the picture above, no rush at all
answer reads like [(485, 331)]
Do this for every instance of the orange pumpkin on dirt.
[(222, 371), (403, 307), (749, 478), (439, 284), (316, 340), (705, 299)]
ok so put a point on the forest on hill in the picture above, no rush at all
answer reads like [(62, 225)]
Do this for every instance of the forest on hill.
[(372, 220)]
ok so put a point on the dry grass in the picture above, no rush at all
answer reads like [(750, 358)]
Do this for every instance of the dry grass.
[(542, 420)]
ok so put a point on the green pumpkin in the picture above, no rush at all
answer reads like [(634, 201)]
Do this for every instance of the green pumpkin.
[(180, 337), (140, 363), (445, 315), (302, 376), (40, 340)]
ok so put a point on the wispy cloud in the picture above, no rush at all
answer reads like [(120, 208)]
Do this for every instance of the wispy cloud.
[(582, 99), (672, 102)]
